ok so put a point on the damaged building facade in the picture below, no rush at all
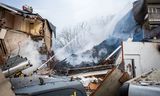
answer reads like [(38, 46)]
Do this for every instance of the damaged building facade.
[(136, 62), (140, 56), (17, 25)]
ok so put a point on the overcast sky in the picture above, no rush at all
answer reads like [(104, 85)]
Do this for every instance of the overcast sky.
[(65, 13)]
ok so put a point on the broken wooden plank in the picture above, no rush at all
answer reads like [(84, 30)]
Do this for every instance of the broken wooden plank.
[(90, 74), (111, 84), (89, 69)]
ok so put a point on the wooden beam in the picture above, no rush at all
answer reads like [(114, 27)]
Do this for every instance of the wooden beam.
[(111, 84)]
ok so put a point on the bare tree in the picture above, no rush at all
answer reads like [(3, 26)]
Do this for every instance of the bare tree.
[(72, 34), (77, 34)]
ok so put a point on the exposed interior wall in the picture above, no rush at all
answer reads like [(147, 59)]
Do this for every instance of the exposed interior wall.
[(25, 26), (13, 38), (35, 27), (47, 36), (9, 18), (20, 23)]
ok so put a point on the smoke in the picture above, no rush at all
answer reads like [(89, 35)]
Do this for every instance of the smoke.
[(30, 49), (87, 57), (93, 34), (102, 52)]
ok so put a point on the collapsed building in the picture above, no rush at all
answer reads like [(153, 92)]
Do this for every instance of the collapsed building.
[(17, 25), (139, 58), (136, 53), (134, 58)]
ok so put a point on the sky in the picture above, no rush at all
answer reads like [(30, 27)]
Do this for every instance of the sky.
[(67, 13)]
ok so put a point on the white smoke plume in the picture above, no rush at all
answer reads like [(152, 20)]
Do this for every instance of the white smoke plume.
[(95, 32), (29, 49), (102, 52)]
